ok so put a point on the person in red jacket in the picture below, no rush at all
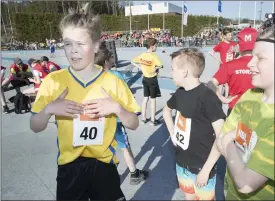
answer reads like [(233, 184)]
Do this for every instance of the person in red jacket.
[(19, 74), (51, 66), (19, 70), (39, 73), (238, 76)]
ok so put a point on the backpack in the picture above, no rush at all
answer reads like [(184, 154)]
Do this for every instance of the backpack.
[(21, 102)]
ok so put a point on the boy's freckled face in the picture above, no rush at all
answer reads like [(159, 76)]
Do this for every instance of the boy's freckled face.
[(79, 47)]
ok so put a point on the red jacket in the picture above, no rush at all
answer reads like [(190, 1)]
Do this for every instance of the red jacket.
[(42, 72), (14, 69), (52, 63)]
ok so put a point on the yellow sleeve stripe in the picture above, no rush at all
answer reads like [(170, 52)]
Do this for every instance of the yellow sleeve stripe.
[(265, 140), (263, 158), (269, 189)]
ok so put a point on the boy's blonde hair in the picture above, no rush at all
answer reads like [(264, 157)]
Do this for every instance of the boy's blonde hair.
[(82, 18), (193, 57)]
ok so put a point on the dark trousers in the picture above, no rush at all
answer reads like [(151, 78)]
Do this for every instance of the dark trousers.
[(221, 169), (19, 83)]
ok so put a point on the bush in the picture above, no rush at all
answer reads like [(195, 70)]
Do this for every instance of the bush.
[(38, 27)]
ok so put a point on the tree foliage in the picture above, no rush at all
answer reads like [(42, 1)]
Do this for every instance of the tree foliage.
[(37, 20)]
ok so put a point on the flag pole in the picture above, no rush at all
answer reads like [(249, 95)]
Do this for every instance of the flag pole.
[(240, 4), (148, 22), (218, 17), (130, 17), (255, 11), (163, 21), (182, 19)]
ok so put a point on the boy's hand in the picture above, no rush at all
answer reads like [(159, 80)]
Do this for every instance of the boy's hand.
[(202, 178), (101, 107), (229, 99), (64, 108)]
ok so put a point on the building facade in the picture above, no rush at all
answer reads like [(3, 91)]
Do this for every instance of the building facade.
[(157, 8)]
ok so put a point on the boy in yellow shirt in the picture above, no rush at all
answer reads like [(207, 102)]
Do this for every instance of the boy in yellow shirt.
[(86, 102), (150, 65)]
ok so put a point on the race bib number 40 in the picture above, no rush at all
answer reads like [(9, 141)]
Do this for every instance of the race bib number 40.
[(88, 131), (182, 131)]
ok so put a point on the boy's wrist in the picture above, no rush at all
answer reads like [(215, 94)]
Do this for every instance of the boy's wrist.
[(206, 170), (118, 109), (47, 110)]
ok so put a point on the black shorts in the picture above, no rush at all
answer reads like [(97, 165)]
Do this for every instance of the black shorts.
[(88, 178), (151, 87)]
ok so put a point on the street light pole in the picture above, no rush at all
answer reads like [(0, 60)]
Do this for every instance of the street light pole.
[(255, 13), (182, 18), (261, 11), (163, 21), (130, 17), (240, 5)]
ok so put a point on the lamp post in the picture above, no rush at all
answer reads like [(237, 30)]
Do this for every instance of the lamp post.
[(261, 11)]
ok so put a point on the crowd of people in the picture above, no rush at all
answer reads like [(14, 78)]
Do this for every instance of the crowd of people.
[(21, 74), (91, 120)]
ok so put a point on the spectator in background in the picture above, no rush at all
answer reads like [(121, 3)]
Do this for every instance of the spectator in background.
[(49, 65), (19, 73), (226, 50), (39, 73), (52, 49)]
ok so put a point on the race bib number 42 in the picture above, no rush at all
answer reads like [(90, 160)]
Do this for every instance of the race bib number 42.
[(88, 131), (182, 131)]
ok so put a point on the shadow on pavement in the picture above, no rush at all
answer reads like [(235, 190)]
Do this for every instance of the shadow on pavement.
[(126, 172), (133, 79), (134, 89), (162, 181), (123, 63)]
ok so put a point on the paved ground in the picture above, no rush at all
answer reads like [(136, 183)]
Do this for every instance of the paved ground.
[(29, 160)]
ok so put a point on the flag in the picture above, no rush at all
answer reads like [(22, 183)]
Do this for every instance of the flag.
[(185, 15), (220, 6), (150, 6)]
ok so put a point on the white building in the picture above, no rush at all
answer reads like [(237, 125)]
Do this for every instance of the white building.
[(157, 8)]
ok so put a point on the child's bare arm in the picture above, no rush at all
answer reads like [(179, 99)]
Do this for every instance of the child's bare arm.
[(212, 53)]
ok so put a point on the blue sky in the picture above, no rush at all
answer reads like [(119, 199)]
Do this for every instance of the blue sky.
[(230, 9)]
